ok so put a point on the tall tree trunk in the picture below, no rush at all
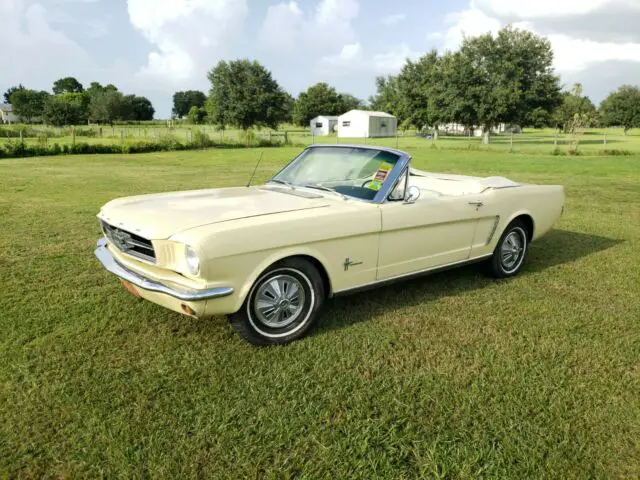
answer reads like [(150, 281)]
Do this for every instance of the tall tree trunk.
[(486, 136)]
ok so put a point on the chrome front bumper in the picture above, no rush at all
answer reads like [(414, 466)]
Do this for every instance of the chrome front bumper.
[(188, 295)]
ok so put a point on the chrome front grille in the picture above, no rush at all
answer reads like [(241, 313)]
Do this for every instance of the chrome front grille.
[(129, 243)]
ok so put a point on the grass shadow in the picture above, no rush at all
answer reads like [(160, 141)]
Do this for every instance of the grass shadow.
[(556, 248)]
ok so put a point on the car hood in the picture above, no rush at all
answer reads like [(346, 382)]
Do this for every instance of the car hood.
[(159, 216)]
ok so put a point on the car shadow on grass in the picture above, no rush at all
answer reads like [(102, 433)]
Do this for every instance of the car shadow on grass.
[(556, 248)]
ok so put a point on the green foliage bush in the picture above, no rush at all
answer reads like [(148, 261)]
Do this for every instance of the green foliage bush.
[(167, 143)]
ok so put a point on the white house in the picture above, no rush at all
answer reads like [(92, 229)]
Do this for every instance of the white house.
[(6, 113), (365, 124), (323, 125), (457, 128)]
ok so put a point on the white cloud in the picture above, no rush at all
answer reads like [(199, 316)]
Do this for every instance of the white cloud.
[(188, 35), (337, 12), (469, 23), (571, 53), (352, 58), (324, 29), (574, 54), (394, 19), (349, 57), (281, 27), (28, 34), (527, 9), (393, 60)]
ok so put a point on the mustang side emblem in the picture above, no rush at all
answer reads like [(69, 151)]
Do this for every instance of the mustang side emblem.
[(348, 263)]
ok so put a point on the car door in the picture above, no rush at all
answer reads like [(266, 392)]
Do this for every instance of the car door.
[(432, 232)]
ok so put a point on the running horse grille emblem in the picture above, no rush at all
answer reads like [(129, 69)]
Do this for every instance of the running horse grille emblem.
[(122, 240)]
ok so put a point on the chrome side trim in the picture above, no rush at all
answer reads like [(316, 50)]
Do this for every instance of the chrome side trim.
[(493, 230), (406, 276), (188, 295)]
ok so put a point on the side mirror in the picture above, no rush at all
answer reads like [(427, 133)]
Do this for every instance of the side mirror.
[(413, 194)]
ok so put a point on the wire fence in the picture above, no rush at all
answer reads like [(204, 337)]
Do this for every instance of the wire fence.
[(607, 141)]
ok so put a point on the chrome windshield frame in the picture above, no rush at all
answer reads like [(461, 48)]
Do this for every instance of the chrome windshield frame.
[(404, 159)]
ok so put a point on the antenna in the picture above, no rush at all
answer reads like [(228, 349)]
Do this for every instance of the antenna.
[(255, 170)]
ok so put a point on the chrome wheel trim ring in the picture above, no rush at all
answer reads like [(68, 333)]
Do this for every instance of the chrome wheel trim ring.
[(279, 301), (311, 299), (512, 250)]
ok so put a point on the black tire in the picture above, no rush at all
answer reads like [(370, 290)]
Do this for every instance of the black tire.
[(511, 251), (300, 300)]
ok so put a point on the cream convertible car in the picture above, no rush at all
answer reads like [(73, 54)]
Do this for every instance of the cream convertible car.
[(336, 219)]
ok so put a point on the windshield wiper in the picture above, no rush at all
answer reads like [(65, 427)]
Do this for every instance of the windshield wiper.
[(325, 189), (282, 182)]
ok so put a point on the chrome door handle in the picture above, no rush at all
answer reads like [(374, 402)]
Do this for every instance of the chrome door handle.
[(477, 204)]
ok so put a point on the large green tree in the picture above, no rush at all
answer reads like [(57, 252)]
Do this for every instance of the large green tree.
[(574, 106), (11, 91), (28, 104), (106, 106), (622, 108), (67, 85), (319, 99), (387, 97), (141, 109), (351, 102), (506, 77), (96, 87), (244, 94), (184, 101), (421, 86), (66, 109)]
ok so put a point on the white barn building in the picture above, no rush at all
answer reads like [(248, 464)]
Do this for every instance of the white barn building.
[(6, 113), (365, 124), (323, 125)]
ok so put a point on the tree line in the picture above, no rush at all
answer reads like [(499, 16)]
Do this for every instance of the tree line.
[(72, 104), (507, 78)]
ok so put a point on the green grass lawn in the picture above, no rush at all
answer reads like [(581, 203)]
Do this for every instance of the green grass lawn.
[(449, 376)]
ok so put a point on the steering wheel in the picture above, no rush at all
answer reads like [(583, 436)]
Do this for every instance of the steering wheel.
[(366, 182)]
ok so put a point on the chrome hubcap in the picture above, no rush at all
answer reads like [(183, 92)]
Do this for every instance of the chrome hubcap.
[(512, 250), (279, 301)]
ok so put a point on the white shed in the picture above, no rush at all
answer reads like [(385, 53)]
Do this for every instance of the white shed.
[(6, 113), (323, 125), (365, 124)]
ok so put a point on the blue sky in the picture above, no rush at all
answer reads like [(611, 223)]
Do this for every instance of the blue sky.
[(155, 47)]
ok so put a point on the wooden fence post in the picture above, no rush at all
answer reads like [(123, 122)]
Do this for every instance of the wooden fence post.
[(73, 136)]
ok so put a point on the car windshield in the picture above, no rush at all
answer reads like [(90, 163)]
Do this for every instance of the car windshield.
[(354, 172)]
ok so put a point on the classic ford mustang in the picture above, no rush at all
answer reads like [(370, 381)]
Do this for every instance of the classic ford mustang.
[(337, 218)]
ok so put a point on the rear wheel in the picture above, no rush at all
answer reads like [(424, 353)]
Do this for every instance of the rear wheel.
[(282, 304), (511, 252)]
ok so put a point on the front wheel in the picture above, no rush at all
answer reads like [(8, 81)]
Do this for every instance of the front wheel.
[(282, 304), (510, 253)]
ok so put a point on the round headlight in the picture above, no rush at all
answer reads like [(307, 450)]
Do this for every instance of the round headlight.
[(193, 262)]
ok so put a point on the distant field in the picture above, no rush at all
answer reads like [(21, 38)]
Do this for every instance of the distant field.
[(449, 376), (531, 141)]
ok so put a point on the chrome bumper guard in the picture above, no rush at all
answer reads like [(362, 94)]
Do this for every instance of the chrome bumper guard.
[(111, 264)]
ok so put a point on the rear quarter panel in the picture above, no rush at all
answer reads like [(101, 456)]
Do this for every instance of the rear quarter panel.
[(543, 203)]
